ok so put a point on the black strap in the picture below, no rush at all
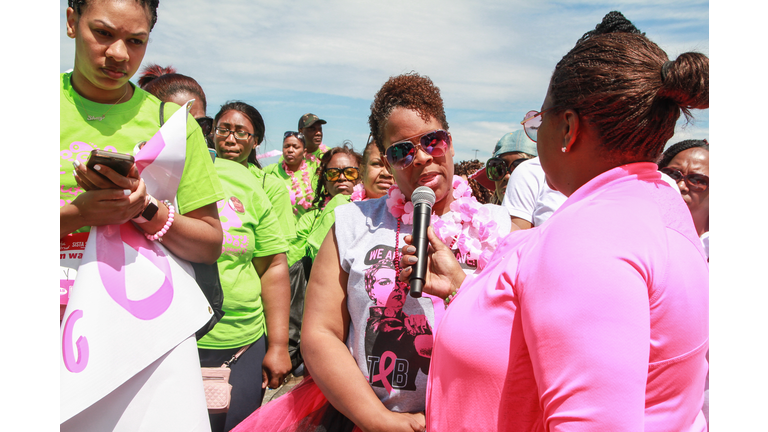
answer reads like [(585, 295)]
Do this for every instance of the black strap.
[(162, 117)]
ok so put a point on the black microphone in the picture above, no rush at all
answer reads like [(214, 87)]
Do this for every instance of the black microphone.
[(423, 198)]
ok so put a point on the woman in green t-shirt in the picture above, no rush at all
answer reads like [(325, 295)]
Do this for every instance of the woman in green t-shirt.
[(253, 272)]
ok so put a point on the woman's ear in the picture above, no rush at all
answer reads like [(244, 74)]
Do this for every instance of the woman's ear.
[(571, 127), (72, 18)]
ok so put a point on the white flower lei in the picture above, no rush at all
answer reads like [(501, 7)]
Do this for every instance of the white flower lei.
[(470, 227)]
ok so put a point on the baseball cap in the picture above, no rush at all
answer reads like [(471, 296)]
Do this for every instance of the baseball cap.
[(309, 119), (516, 141)]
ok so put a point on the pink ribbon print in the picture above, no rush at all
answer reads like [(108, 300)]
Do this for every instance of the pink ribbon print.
[(74, 365), (384, 371)]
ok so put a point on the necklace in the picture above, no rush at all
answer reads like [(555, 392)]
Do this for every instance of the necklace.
[(302, 196), (92, 118), (469, 226), (358, 192)]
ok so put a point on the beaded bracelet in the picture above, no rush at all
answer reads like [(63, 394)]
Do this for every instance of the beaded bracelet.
[(168, 223), (450, 297)]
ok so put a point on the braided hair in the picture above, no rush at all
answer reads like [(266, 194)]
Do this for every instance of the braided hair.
[(626, 87)]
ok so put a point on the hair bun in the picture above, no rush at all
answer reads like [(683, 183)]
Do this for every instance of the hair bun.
[(154, 71), (686, 81)]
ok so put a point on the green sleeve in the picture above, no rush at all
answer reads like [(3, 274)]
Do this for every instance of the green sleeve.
[(326, 221)]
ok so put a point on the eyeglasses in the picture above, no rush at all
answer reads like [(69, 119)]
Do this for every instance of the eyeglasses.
[(298, 135), (224, 133), (400, 154), (532, 122), (206, 124), (497, 168), (699, 182), (334, 174)]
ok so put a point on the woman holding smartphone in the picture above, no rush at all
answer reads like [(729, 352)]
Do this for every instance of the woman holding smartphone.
[(101, 109)]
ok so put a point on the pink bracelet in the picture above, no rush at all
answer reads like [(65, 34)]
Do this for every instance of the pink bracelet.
[(168, 223)]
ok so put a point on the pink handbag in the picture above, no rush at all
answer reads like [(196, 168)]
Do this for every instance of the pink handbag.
[(217, 386)]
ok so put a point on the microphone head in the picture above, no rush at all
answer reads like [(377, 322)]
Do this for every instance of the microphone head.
[(423, 195)]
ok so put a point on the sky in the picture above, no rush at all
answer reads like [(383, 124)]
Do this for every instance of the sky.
[(492, 60)]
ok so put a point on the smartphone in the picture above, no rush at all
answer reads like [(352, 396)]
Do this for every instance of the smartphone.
[(119, 162)]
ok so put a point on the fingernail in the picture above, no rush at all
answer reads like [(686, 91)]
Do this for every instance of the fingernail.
[(412, 260), (410, 249), (127, 192), (76, 164), (97, 167)]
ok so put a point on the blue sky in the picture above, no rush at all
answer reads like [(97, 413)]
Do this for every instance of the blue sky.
[(492, 60)]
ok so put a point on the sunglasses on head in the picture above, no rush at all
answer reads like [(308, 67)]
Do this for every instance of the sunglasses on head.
[(334, 174), (298, 135), (497, 168), (699, 182), (400, 154), (206, 124)]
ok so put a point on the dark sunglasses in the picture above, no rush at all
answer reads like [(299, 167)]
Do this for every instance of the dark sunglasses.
[(400, 154), (497, 168), (334, 174), (298, 135), (206, 124), (698, 182)]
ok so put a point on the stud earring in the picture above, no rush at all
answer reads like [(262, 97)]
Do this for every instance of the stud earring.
[(565, 150)]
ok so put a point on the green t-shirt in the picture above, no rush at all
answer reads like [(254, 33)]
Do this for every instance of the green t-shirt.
[(298, 247), (280, 199), (250, 230), (277, 170), (324, 223), (124, 126)]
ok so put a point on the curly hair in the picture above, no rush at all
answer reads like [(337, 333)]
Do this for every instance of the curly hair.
[(320, 192), (677, 148), (411, 91), (151, 5), (624, 85), (256, 120), (164, 83)]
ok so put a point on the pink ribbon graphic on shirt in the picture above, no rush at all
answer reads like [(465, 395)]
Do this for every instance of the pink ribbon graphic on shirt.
[(110, 256), (74, 365), (384, 371)]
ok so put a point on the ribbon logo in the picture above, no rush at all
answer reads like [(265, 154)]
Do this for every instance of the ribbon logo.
[(384, 370), (110, 256)]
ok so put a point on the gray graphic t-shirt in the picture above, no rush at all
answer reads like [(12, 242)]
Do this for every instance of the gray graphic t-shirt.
[(390, 332)]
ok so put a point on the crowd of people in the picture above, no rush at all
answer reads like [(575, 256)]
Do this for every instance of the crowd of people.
[(567, 284)]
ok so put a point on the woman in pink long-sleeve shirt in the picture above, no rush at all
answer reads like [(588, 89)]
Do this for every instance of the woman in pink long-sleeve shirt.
[(598, 319)]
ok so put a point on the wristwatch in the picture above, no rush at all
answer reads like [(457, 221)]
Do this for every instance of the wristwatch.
[(149, 211)]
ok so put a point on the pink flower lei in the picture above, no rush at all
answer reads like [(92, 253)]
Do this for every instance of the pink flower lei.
[(323, 148), (303, 197), (358, 192), (468, 227)]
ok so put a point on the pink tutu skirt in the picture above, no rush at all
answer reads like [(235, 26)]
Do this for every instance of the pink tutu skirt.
[(303, 409)]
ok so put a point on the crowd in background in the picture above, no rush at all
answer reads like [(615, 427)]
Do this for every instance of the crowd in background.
[(313, 252)]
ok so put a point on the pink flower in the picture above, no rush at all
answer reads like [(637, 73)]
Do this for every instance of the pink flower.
[(358, 192), (461, 188), (396, 202), (408, 213)]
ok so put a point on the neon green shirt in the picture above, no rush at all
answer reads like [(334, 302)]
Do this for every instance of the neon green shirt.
[(280, 199), (124, 126), (250, 230)]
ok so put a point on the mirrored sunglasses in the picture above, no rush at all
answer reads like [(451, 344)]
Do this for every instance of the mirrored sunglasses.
[(334, 174), (400, 154), (497, 168), (699, 182)]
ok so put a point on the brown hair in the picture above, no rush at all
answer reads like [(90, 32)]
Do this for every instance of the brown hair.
[(624, 85), (164, 82), (411, 91)]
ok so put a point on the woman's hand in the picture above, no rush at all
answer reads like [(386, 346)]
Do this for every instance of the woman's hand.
[(444, 273), (275, 367), (394, 421), (110, 206), (105, 178)]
